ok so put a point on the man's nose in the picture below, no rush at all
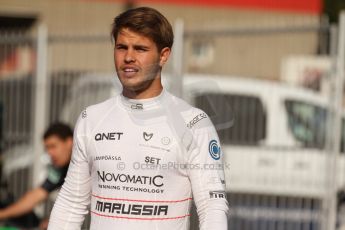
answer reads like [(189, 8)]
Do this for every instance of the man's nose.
[(129, 57)]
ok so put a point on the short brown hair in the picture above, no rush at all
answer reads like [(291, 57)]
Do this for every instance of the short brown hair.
[(61, 130), (148, 22)]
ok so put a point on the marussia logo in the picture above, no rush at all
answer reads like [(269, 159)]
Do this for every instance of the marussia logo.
[(147, 136)]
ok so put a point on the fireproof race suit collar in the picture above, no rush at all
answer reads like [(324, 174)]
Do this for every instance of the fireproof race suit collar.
[(143, 104)]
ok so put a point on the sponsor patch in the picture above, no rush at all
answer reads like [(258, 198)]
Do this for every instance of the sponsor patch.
[(147, 136), (165, 140), (131, 209), (217, 194), (83, 114), (107, 158), (137, 106), (156, 181), (214, 149), (108, 136), (196, 119)]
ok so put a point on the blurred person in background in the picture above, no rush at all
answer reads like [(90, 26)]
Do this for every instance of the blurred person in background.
[(58, 142)]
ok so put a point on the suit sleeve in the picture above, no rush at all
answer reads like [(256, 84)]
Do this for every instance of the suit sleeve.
[(207, 179), (72, 202)]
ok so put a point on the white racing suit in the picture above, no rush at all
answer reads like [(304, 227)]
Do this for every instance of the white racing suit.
[(138, 164)]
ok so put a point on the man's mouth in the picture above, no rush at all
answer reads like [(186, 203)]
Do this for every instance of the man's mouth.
[(129, 71)]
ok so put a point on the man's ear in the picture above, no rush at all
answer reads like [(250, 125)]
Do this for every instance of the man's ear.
[(164, 56)]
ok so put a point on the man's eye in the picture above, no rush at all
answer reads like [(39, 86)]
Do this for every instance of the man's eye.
[(140, 49), (120, 47)]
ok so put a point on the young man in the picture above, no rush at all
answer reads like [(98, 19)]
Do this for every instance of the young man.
[(58, 142), (138, 158)]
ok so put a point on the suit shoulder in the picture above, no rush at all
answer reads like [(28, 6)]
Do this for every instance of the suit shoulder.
[(95, 113), (191, 114), (102, 106)]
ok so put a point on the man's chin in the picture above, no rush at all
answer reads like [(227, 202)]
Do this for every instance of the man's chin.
[(136, 87), (132, 91)]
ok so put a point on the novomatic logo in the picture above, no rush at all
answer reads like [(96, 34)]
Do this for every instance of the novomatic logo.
[(134, 179), (108, 136)]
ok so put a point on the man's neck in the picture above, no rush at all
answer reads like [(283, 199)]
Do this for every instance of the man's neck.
[(143, 94)]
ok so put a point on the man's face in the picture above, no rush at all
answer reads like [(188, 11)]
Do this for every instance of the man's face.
[(137, 60), (59, 150)]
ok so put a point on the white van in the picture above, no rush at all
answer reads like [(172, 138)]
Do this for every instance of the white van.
[(277, 142)]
